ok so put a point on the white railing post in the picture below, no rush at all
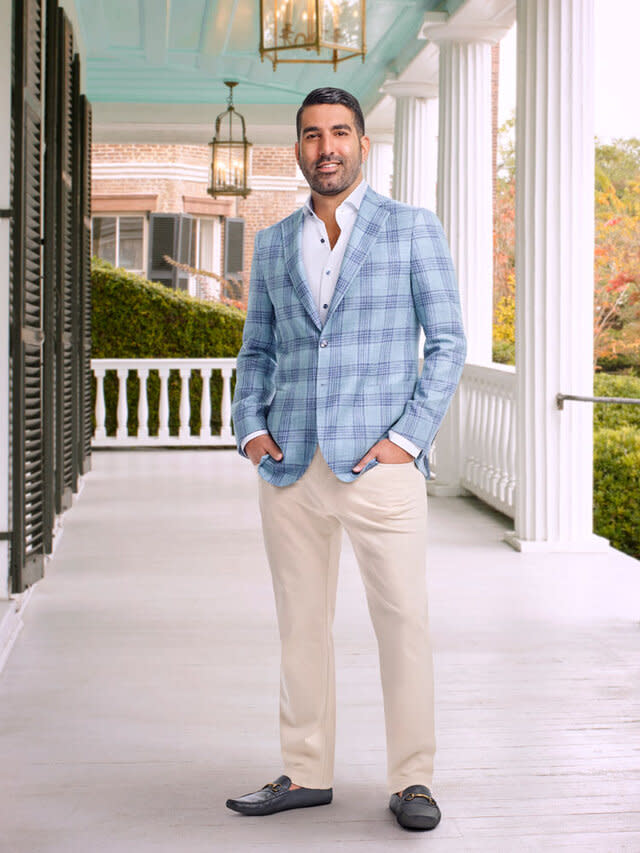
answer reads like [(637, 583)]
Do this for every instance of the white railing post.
[(185, 403), (100, 406), (123, 408), (163, 407), (205, 406), (225, 431), (143, 405)]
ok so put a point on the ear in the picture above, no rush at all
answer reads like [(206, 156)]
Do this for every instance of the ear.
[(365, 145), (297, 150)]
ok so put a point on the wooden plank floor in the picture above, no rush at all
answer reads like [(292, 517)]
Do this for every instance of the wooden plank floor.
[(143, 688)]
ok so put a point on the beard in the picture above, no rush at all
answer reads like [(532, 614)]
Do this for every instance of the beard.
[(333, 183)]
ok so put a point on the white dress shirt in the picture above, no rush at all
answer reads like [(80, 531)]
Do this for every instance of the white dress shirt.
[(322, 267)]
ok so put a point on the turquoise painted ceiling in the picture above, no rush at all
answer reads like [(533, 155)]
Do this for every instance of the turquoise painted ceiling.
[(181, 51)]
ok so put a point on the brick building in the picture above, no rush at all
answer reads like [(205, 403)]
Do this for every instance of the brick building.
[(151, 199)]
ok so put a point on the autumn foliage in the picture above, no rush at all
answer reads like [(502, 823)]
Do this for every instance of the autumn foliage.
[(616, 257)]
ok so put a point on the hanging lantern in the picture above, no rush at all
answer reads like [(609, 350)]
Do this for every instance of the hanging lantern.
[(326, 31), (230, 152)]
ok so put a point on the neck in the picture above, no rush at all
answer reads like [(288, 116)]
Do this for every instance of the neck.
[(325, 206)]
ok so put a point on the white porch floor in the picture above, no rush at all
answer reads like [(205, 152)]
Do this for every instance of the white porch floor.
[(143, 688)]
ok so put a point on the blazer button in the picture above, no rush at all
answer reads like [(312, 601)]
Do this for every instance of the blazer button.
[(324, 343)]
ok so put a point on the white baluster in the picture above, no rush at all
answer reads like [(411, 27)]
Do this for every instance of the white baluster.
[(122, 413), (100, 406), (501, 486), (163, 408), (495, 450), (143, 405), (205, 406), (491, 437), (225, 432), (185, 403)]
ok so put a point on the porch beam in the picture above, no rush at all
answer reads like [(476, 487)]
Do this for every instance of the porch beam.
[(156, 30)]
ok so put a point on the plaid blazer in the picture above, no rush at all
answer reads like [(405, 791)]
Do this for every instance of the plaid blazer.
[(344, 385)]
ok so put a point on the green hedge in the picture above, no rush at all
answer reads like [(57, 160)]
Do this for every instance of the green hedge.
[(616, 463), (135, 318), (616, 494), (611, 415)]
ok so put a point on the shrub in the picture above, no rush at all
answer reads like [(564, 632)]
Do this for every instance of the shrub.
[(135, 318), (612, 415), (616, 492)]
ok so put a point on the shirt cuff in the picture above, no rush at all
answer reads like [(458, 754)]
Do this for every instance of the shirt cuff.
[(251, 435), (405, 444)]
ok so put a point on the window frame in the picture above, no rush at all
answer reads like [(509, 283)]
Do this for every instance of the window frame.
[(145, 235)]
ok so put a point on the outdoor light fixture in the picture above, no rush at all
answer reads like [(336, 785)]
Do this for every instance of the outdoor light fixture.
[(230, 152), (334, 29)]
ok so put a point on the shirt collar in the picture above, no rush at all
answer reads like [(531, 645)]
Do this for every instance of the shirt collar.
[(354, 199)]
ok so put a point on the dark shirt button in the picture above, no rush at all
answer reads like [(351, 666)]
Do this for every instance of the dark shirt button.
[(322, 239), (325, 305)]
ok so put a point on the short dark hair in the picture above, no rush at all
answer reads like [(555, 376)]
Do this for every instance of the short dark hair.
[(329, 95)]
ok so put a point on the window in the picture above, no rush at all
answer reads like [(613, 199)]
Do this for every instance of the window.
[(206, 248), (119, 240)]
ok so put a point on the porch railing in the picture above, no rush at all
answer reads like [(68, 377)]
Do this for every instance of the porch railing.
[(489, 466), (143, 367)]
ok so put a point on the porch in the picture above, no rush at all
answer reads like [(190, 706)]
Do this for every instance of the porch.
[(143, 688)]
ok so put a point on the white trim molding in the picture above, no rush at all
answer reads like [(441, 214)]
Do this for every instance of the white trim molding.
[(173, 171)]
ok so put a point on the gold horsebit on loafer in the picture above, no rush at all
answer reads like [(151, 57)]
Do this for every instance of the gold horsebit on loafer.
[(275, 786), (412, 796)]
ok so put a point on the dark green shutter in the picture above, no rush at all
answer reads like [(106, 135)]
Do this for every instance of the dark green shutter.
[(26, 337), (51, 189), (64, 283), (84, 193)]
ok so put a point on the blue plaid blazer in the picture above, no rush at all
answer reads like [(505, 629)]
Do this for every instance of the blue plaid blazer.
[(344, 385)]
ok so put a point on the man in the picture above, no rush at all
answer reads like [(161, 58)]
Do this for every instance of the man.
[(329, 406)]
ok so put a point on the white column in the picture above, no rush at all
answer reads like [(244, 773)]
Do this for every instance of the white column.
[(415, 145), (5, 201), (465, 208), (554, 274), (378, 169), (465, 204)]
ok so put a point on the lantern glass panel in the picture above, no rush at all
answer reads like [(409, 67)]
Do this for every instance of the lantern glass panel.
[(289, 23), (228, 166), (341, 23)]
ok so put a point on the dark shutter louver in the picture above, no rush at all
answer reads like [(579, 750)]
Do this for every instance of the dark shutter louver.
[(27, 546), (50, 270), (185, 251), (64, 344), (233, 248), (164, 236), (86, 422), (75, 291)]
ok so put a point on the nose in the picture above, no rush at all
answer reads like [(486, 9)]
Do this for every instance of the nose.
[(326, 144)]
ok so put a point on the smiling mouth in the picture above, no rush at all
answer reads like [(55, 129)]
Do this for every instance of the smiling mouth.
[(327, 167)]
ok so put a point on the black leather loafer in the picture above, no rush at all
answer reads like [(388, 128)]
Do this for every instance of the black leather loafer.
[(416, 808), (277, 797)]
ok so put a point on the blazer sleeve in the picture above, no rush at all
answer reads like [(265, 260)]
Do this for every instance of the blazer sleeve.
[(256, 362), (437, 303)]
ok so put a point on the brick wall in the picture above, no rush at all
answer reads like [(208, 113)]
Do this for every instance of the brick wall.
[(263, 207)]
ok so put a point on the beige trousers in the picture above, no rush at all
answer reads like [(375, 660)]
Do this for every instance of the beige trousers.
[(385, 516)]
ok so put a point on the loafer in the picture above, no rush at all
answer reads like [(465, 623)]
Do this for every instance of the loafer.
[(416, 808), (277, 797)]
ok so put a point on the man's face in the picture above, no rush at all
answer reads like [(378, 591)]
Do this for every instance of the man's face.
[(329, 152)]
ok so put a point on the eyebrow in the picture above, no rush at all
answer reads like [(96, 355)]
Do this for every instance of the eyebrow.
[(333, 127)]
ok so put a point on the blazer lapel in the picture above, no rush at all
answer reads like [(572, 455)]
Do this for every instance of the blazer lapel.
[(370, 219), (292, 239)]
